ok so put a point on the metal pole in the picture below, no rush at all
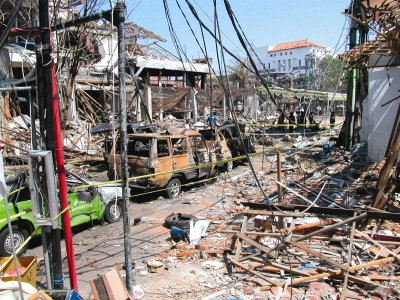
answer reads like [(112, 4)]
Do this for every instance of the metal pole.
[(194, 105), (59, 146), (224, 108), (45, 48), (120, 9), (17, 88)]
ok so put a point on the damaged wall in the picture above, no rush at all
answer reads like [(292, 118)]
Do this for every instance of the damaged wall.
[(377, 121)]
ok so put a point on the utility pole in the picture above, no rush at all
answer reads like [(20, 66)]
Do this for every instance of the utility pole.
[(120, 12)]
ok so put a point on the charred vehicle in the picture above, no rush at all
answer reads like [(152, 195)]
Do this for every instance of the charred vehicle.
[(108, 128), (228, 135), (232, 136), (174, 157), (216, 141)]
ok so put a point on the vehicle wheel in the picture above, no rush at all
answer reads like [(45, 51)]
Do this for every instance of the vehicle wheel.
[(113, 212), (173, 188), (19, 236), (228, 166), (182, 221)]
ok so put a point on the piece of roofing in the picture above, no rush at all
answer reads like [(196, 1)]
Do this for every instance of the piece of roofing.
[(294, 45)]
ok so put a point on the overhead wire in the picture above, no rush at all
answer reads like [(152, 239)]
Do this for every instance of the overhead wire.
[(240, 37), (10, 23), (221, 30)]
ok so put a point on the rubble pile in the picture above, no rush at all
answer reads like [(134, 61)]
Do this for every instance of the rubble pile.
[(314, 243)]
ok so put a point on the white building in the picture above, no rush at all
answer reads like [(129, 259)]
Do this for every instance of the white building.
[(289, 58)]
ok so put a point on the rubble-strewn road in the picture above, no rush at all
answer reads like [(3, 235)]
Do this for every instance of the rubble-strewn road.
[(100, 248), (216, 268)]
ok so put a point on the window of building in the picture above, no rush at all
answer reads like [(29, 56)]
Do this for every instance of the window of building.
[(281, 54), (272, 55), (285, 53), (289, 64), (290, 52), (299, 62)]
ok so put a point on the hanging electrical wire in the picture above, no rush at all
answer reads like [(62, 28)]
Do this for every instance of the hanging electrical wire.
[(11, 20), (283, 241)]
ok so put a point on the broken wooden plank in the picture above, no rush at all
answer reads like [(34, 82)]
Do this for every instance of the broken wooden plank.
[(40, 295), (289, 237), (361, 281), (242, 230), (185, 253), (346, 277), (320, 255), (325, 229), (317, 237), (98, 289), (335, 272), (306, 226), (275, 267), (236, 263), (272, 213), (394, 253), (115, 287), (254, 243)]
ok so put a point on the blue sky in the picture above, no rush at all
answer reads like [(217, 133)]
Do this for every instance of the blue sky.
[(264, 22)]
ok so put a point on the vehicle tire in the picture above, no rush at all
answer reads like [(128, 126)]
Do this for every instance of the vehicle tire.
[(173, 188), (113, 212), (5, 240), (182, 221), (228, 166)]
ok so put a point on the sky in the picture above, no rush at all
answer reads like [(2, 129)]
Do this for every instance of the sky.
[(264, 22)]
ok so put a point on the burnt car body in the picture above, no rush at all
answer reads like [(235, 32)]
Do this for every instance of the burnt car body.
[(107, 128), (176, 156), (216, 140), (232, 137)]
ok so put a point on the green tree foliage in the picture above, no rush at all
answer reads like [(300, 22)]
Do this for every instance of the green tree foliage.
[(329, 73)]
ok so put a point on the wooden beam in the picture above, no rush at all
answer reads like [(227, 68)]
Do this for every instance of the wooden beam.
[(320, 255), (349, 254), (254, 243), (242, 230), (272, 213), (306, 226), (325, 229), (336, 272), (236, 263), (115, 286)]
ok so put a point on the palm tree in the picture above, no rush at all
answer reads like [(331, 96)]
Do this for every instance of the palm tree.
[(239, 73)]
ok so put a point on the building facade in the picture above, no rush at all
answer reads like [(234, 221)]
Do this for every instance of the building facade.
[(292, 58)]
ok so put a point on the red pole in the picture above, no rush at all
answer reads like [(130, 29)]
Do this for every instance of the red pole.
[(62, 182)]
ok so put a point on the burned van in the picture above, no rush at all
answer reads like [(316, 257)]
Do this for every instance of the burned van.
[(175, 157)]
